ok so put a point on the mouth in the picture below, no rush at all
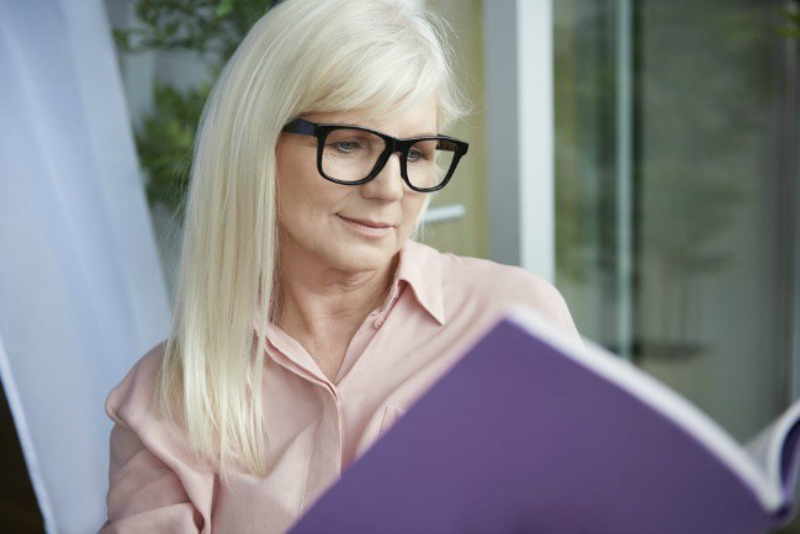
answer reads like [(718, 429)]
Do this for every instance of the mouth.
[(366, 229), (368, 223)]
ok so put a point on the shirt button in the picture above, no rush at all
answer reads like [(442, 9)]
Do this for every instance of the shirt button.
[(378, 322)]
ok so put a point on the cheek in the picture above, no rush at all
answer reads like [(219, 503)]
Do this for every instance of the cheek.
[(306, 201), (411, 209), (297, 183), (295, 171)]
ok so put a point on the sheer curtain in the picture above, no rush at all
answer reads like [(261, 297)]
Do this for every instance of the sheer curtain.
[(82, 293)]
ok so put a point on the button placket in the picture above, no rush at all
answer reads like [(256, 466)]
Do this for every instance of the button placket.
[(326, 462), (384, 310), (367, 351)]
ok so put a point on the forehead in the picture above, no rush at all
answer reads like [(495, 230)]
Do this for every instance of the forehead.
[(415, 118)]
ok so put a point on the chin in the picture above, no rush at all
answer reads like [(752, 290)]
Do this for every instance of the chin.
[(363, 256)]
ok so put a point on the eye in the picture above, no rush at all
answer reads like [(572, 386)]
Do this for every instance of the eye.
[(346, 146), (415, 155)]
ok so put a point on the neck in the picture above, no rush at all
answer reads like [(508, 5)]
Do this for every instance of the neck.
[(320, 301)]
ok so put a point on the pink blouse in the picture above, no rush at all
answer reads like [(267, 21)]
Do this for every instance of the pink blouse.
[(438, 307)]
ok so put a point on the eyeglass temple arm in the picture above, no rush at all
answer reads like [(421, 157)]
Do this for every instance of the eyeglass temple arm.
[(300, 126)]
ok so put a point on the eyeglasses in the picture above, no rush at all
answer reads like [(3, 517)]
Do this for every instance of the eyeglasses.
[(354, 155)]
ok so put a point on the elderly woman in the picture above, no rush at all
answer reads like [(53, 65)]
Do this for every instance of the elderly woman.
[(307, 318)]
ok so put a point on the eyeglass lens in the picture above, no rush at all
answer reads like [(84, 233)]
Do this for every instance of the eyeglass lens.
[(350, 155)]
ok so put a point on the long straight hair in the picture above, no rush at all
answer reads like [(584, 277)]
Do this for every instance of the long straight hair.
[(302, 56)]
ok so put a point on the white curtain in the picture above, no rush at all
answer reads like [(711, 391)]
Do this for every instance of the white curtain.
[(82, 293)]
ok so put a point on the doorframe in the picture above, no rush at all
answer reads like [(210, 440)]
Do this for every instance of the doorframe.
[(518, 47)]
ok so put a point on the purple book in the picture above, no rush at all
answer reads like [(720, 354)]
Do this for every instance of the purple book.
[(529, 432)]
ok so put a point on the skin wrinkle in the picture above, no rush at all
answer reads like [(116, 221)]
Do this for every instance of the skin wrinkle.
[(331, 278)]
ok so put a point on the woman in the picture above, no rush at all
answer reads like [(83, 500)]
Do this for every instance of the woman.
[(241, 418)]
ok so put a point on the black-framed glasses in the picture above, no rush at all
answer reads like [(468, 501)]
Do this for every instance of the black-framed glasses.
[(354, 155)]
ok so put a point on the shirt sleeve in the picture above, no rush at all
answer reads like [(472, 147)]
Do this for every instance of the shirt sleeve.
[(145, 495), (533, 290), (567, 320)]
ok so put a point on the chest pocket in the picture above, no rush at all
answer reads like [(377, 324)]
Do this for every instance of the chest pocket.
[(390, 415)]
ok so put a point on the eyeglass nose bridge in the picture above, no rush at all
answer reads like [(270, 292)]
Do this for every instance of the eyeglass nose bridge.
[(393, 145)]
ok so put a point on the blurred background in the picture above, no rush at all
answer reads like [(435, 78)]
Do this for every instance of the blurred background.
[(641, 155)]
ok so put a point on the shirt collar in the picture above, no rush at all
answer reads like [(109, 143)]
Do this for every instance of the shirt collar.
[(419, 266)]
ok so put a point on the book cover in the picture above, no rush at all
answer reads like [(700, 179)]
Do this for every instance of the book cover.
[(530, 432)]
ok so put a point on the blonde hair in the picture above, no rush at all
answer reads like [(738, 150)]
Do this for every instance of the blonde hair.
[(302, 56)]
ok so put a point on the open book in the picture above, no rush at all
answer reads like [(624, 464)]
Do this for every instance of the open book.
[(531, 432)]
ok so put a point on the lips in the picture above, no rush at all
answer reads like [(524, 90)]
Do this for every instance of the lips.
[(371, 224)]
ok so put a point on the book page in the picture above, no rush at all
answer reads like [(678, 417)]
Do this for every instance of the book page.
[(668, 402), (767, 450)]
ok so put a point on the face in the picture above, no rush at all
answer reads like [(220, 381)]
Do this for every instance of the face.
[(312, 210)]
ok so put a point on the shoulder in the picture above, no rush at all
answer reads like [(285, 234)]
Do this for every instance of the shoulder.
[(489, 279), (138, 421), (469, 281), (132, 400)]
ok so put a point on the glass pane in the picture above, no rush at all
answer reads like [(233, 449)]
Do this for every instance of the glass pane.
[(585, 48), (710, 303), (692, 120)]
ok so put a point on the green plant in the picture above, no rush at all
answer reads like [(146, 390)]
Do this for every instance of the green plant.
[(165, 142), (792, 18), (212, 29)]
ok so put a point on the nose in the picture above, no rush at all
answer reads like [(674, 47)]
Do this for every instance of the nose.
[(389, 182)]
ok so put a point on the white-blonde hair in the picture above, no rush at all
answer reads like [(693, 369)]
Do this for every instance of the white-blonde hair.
[(303, 56)]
